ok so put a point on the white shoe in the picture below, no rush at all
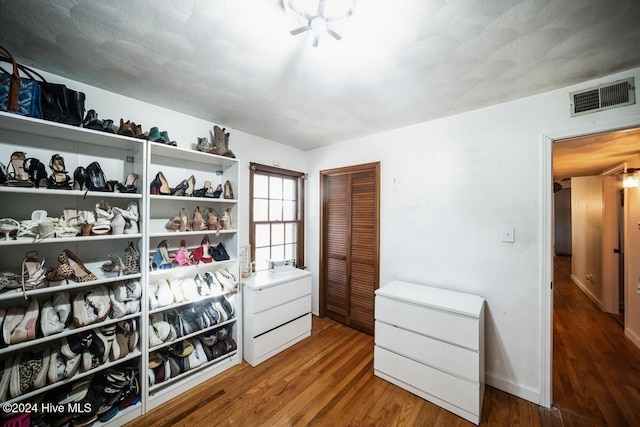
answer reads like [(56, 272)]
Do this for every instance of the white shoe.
[(174, 284), (98, 298), (56, 366), (226, 280), (62, 304), (190, 289), (118, 308), (83, 313), (49, 320), (165, 296)]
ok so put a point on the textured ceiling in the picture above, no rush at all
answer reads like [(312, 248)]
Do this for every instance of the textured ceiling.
[(233, 62)]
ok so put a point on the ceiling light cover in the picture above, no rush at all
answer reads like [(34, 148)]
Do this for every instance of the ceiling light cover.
[(630, 180), (319, 17)]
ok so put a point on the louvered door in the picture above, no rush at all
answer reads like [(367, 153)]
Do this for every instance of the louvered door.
[(350, 245)]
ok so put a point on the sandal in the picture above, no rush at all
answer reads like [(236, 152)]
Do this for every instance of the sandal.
[(59, 179), (115, 264), (161, 257), (213, 221), (19, 177), (33, 273), (37, 172), (131, 260), (198, 224), (129, 185), (8, 226), (182, 256), (203, 252)]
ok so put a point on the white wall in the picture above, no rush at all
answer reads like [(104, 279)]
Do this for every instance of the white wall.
[(587, 233), (185, 130), (447, 186)]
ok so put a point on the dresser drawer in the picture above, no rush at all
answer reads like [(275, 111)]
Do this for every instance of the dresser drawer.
[(280, 314), (270, 296), (278, 338), (450, 327), (437, 354), (451, 389)]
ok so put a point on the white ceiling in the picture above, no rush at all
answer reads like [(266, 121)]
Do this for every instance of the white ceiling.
[(233, 62)]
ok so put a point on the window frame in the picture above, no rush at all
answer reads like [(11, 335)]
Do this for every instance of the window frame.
[(256, 168)]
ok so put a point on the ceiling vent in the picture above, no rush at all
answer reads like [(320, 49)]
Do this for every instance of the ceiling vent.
[(603, 97)]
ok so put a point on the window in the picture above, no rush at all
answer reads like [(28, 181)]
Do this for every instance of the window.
[(276, 215)]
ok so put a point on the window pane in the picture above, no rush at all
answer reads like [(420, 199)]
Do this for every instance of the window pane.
[(262, 235), (260, 186), (290, 233), (277, 234), (277, 252), (275, 188), (260, 210), (288, 211), (262, 255), (289, 189), (289, 251), (275, 210)]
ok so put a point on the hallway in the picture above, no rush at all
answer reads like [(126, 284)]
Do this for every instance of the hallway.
[(596, 369)]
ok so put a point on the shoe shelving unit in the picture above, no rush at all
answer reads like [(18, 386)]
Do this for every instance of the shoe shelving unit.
[(118, 156), (176, 165)]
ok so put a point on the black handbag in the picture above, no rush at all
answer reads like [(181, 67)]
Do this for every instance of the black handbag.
[(220, 253)]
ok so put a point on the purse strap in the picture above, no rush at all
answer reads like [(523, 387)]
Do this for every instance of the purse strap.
[(14, 85)]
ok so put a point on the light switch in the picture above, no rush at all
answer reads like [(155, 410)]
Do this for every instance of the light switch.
[(507, 233)]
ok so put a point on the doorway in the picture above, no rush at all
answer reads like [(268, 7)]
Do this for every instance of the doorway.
[(547, 205), (350, 244)]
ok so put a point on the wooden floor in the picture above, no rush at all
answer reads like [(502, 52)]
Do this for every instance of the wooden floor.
[(327, 380)]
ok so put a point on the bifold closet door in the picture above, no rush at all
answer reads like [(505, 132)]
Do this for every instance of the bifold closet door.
[(350, 245)]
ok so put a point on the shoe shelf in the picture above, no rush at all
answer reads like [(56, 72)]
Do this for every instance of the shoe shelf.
[(228, 357), (157, 229), (110, 364), (69, 193), (201, 200), (193, 334), (21, 241), (194, 301), (55, 286), (182, 154), (65, 333)]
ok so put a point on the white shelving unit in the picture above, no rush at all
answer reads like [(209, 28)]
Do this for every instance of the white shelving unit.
[(176, 165), (118, 156)]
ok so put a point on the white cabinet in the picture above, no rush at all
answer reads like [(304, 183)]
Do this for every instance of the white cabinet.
[(277, 312), (191, 293), (95, 317), (430, 342)]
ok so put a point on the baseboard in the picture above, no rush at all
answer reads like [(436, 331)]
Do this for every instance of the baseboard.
[(525, 393), (632, 337), (587, 292)]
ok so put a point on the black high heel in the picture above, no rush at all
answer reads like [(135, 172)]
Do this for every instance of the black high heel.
[(181, 189), (129, 185), (97, 180), (37, 172), (80, 179), (159, 185), (59, 179)]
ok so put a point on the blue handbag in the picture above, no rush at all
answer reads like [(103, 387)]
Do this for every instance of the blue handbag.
[(17, 95)]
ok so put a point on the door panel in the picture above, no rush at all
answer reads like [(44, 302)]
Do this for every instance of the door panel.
[(350, 245)]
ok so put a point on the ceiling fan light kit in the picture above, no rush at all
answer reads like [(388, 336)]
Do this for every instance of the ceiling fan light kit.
[(317, 16)]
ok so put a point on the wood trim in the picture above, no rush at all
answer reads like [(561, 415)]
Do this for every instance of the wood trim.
[(274, 170)]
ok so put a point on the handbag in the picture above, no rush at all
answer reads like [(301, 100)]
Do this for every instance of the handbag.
[(18, 95), (59, 103), (220, 253)]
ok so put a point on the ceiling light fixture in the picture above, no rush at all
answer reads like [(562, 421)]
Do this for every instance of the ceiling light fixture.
[(630, 178), (318, 16)]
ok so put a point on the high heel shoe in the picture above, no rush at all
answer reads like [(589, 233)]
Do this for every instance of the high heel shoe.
[(159, 185), (59, 178), (228, 192), (37, 172), (129, 185), (131, 260), (198, 223), (131, 216), (191, 186), (70, 267), (203, 252), (185, 222), (225, 221), (161, 258), (182, 256), (181, 189), (33, 273), (80, 179), (218, 192), (104, 215), (212, 219), (97, 179), (115, 265), (19, 177)]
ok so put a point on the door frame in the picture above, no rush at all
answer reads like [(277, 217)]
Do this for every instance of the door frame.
[(545, 369), (322, 252)]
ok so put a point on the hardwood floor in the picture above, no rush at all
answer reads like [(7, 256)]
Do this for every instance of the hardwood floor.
[(327, 380)]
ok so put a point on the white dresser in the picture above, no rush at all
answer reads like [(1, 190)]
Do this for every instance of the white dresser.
[(430, 342), (277, 312)]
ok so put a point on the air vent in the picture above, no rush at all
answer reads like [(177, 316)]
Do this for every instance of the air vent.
[(604, 97)]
